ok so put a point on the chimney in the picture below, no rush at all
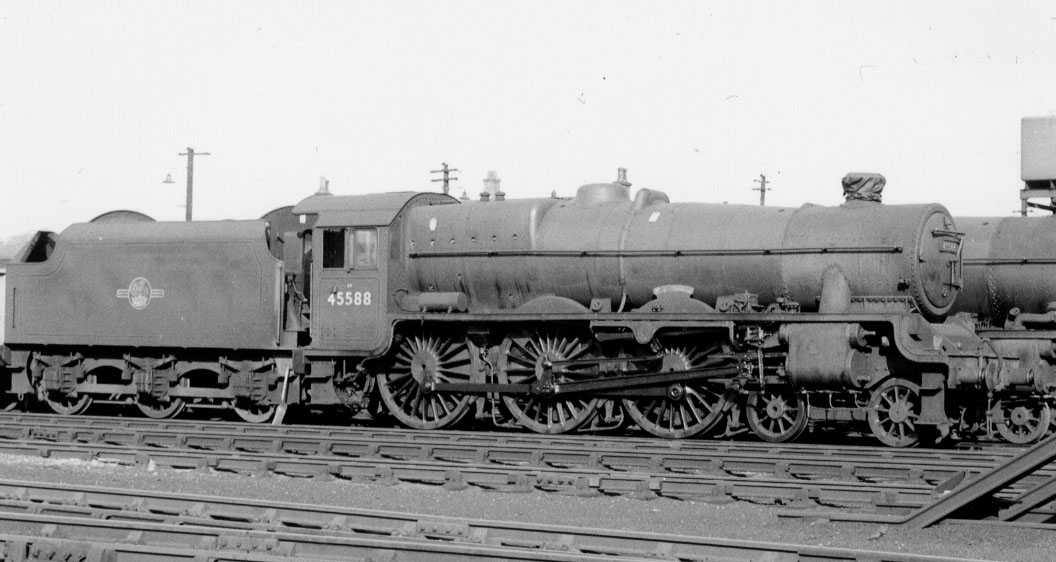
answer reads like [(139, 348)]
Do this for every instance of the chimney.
[(858, 186), (324, 186), (492, 186)]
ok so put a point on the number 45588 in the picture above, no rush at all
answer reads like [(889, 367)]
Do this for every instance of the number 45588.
[(349, 298)]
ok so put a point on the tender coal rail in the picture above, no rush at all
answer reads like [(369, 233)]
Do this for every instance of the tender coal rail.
[(49, 521)]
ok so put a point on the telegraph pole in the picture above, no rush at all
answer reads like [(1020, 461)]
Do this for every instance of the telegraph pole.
[(763, 183), (447, 179), (190, 154)]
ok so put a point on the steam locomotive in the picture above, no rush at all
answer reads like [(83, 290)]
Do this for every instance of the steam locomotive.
[(551, 314)]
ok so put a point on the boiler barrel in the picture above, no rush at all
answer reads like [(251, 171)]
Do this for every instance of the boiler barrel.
[(603, 245), (1008, 262)]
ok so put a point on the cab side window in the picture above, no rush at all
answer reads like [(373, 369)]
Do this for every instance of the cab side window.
[(365, 248), (334, 248)]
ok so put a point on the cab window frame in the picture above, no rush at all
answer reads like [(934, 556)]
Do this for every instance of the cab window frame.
[(371, 239), (358, 248), (330, 253)]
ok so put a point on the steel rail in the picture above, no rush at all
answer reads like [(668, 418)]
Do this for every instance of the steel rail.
[(987, 499), (462, 468), (56, 537), (508, 478), (20, 548), (728, 463), (252, 528), (998, 451), (654, 456), (899, 517)]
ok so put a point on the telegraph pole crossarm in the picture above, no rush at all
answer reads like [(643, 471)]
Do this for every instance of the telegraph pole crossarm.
[(190, 154), (447, 178), (764, 186)]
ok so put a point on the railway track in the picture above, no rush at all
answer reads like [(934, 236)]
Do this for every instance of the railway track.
[(895, 497), (839, 462), (882, 485), (61, 522), (884, 481)]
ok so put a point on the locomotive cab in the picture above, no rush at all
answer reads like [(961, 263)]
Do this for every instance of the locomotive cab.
[(347, 281), (352, 240)]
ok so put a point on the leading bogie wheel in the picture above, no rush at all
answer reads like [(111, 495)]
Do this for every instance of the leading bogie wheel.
[(1021, 421), (686, 409), (777, 414), (522, 360), (419, 361), (894, 409)]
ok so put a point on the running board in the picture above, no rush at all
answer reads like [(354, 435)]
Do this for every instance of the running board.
[(977, 499)]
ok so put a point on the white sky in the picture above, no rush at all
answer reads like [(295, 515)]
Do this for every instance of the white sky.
[(696, 99)]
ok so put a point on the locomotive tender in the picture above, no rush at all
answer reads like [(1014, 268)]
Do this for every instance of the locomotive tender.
[(548, 314)]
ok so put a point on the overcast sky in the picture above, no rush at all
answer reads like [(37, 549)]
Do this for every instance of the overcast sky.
[(695, 98)]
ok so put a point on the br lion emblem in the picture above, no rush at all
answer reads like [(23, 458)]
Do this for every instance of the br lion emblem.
[(139, 293)]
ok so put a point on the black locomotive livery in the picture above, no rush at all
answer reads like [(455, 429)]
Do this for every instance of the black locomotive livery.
[(554, 315)]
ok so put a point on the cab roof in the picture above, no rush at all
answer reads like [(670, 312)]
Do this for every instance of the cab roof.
[(375, 209)]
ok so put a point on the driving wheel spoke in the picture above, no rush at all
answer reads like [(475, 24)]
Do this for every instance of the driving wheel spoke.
[(420, 361), (688, 409), (522, 358)]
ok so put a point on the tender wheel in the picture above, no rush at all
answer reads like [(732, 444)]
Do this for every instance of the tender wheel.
[(67, 405), (686, 409), (1022, 421), (521, 362), (777, 415), (418, 362), (893, 412), (154, 408), (255, 413)]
